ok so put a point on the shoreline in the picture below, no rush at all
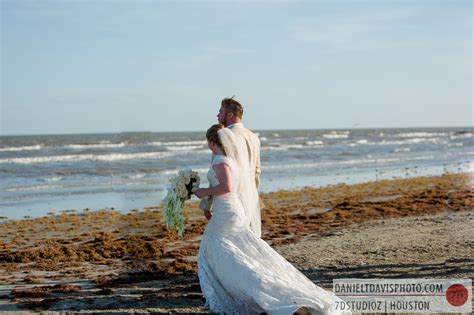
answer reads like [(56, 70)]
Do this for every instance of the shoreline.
[(124, 201), (93, 258)]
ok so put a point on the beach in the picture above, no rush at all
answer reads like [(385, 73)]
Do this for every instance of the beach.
[(108, 261)]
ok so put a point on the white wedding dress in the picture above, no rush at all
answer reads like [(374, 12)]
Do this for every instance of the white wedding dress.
[(240, 273)]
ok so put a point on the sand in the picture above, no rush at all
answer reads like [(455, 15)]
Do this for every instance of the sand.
[(110, 262)]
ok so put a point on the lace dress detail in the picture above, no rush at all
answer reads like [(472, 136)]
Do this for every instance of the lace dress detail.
[(240, 273)]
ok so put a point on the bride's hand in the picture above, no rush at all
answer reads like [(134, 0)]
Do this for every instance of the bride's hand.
[(200, 192)]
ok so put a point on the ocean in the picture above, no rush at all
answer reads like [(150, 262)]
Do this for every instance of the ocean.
[(50, 173)]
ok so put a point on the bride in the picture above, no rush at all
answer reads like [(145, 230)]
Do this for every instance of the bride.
[(239, 272)]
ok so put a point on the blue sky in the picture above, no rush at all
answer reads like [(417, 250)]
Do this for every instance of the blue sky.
[(111, 66)]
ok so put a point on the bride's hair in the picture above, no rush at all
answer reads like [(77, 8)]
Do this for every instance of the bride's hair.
[(213, 136)]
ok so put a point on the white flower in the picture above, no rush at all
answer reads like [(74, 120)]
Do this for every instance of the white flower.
[(181, 190), (186, 178), (177, 194)]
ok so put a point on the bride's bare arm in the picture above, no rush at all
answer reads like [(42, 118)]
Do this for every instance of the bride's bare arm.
[(225, 182)]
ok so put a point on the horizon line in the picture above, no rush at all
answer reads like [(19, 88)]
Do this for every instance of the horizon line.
[(257, 130)]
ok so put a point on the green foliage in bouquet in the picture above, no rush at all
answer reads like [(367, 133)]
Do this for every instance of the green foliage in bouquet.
[(183, 185)]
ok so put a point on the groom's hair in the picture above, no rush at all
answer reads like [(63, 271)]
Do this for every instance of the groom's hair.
[(232, 106)]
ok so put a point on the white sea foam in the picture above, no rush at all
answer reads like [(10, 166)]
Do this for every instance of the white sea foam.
[(158, 143), (337, 135), (275, 146), (175, 171), (25, 148), (361, 141), (95, 145), (133, 184), (320, 144), (85, 157), (314, 143), (52, 179), (420, 134), (201, 170), (461, 136), (402, 150), (347, 162), (185, 148), (137, 176), (409, 141), (293, 146), (282, 147), (396, 142), (76, 185), (180, 143), (38, 187)]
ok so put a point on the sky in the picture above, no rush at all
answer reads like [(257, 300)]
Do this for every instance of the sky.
[(116, 66)]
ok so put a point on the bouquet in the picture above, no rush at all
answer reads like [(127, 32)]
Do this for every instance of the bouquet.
[(183, 185)]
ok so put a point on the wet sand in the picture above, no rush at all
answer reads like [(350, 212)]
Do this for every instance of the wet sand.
[(107, 261)]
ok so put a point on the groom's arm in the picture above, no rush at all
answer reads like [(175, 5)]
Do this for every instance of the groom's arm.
[(257, 164), (257, 178), (208, 214), (206, 203)]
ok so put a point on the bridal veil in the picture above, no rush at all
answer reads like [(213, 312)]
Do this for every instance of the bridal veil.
[(236, 149)]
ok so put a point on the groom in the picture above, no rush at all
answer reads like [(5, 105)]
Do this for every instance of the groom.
[(230, 115)]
